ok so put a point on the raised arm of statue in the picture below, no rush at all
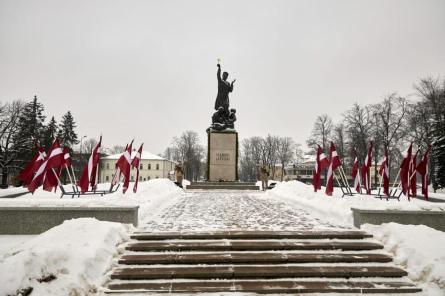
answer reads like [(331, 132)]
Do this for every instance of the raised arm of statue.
[(218, 74)]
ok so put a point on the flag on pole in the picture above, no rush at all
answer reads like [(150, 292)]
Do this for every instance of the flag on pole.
[(366, 167), (384, 172), (334, 163), (320, 164), (118, 173), (135, 164), (412, 175), (29, 171), (89, 173), (422, 169), (404, 170), (67, 161), (356, 173), (52, 160), (55, 159), (124, 165)]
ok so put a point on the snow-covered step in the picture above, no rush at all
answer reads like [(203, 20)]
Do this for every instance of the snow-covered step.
[(331, 234), (257, 272), (265, 286), (336, 261), (253, 258), (252, 245)]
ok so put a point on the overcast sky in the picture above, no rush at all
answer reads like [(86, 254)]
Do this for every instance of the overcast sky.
[(147, 69)]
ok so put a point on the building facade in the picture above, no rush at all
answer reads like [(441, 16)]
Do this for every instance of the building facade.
[(151, 167)]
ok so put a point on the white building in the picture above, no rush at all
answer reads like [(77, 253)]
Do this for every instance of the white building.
[(151, 167)]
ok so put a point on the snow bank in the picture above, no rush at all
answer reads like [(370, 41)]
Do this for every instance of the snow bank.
[(69, 259), (337, 209), (150, 195), (419, 249)]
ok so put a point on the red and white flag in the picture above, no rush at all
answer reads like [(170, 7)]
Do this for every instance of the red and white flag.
[(412, 175), (321, 163), (51, 161), (404, 170), (118, 173), (89, 174), (356, 174), (422, 169), (67, 161), (334, 163), (384, 172), (29, 171), (135, 164), (124, 165), (366, 167)]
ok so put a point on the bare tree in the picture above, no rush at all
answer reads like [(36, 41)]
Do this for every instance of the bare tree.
[(9, 126), (391, 119), (286, 148), (321, 132), (358, 121), (191, 153), (116, 149)]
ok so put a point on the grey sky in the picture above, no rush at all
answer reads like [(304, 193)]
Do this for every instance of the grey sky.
[(147, 69)]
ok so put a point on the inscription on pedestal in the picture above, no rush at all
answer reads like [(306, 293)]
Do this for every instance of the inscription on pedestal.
[(222, 156)]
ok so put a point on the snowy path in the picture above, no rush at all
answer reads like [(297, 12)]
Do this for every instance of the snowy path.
[(227, 210)]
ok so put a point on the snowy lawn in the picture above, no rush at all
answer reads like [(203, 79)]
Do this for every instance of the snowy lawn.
[(69, 259), (150, 196), (337, 209), (419, 249)]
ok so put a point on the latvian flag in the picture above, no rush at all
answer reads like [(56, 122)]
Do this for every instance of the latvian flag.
[(356, 173), (384, 172), (135, 164), (124, 165), (321, 163), (90, 171), (334, 164), (366, 170)]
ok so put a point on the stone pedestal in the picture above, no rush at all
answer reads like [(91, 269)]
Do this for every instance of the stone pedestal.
[(222, 156)]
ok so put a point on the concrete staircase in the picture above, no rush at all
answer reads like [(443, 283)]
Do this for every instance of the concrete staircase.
[(257, 262), (223, 185)]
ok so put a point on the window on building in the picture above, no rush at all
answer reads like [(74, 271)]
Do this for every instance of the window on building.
[(157, 166), (148, 178), (132, 178), (108, 166), (141, 166), (157, 177), (107, 178), (140, 178), (145, 179), (149, 166)]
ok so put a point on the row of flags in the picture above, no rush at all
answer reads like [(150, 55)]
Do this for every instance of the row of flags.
[(361, 175), (45, 168)]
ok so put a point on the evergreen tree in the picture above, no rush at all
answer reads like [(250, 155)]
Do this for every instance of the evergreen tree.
[(30, 128), (67, 135), (50, 133)]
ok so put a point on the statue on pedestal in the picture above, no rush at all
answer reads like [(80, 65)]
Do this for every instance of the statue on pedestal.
[(223, 118)]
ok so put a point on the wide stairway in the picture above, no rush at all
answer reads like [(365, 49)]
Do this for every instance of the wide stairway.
[(257, 262)]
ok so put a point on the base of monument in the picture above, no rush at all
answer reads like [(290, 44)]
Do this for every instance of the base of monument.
[(223, 186), (222, 155)]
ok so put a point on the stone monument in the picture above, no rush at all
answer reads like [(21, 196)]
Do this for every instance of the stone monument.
[(222, 153)]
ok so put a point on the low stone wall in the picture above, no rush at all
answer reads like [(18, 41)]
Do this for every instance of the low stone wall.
[(35, 220), (433, 219)]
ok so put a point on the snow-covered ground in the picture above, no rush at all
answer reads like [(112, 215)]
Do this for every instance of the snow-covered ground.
[(69, 259), (150, 195), (419, 249), (338, 209), (79, 252)]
